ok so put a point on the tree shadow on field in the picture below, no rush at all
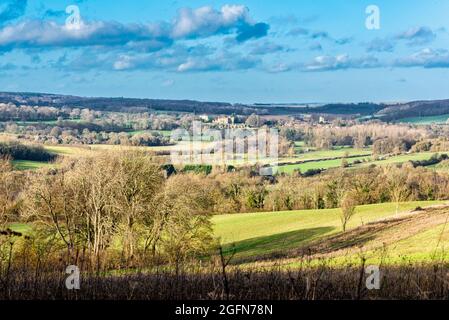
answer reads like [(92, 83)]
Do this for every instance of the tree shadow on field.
[(272, 246)]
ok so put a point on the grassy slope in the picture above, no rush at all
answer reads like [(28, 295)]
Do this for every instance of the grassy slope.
[(441, 119), (417, 242), (62, 150), (324, 164), (313, 155), (20, 227), (424, 243), (261, 233), (326, 154)]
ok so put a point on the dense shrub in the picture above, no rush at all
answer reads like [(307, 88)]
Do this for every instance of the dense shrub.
[(435, 159), (18, 151)]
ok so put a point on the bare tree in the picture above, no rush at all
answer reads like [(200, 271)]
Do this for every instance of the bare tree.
[(348, 206), (138, 181), (397, 186), (10, 185)]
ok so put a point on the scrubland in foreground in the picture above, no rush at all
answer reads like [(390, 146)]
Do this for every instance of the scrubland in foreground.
[(321, 283)]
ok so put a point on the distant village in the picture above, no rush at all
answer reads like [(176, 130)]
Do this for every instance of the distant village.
[(238, 122)]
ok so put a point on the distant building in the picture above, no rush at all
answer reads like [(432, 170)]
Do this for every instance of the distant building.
[(225, 120), (228, 122), (307, 118), (205, 118)]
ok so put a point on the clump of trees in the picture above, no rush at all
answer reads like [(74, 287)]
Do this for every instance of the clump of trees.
[(392, 146), (9, 112), (84, 126), (120, 209), (86, 134), (245, 191), (18, 151), (391, 137)]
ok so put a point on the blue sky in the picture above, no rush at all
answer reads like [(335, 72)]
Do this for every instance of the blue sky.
[(244, 51)]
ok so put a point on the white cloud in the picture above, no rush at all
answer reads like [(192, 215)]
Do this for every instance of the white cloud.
[(427, 58), (190, 23), (341, 62)]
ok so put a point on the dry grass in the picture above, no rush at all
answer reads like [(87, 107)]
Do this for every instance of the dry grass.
[(322, 283)]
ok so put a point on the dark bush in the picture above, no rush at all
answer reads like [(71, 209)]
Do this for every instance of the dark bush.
[(19, 151)]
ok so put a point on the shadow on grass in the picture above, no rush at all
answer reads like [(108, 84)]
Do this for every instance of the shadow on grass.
[(274, 245)]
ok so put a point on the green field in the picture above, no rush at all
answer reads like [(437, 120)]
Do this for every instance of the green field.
[(319, 158), (441, 119), (366, 160), (325, 164), (20, 227), (255, 234), (29, 165), (65, 150), (423, 244), (335, 153)]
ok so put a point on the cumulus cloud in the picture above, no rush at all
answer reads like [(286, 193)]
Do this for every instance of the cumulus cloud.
[(247, 32), (206, 21), (127, 62), (169, 58), (426, 58), (222, 62), (185, 59), (279, 67), (412, 37), (190, 23), (341, 62), (40, 34), (417, 35)]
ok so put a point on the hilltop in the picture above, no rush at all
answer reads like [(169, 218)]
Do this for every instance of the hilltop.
[(388, 112)]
